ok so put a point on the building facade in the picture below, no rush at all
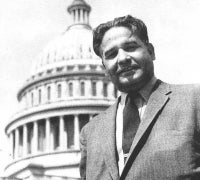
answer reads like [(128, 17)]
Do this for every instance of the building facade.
[(66, 89)]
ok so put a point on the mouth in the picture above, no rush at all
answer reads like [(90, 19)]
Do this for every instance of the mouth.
[(127, 69)]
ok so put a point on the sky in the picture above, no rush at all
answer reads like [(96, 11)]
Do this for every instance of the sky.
[(26, 27)]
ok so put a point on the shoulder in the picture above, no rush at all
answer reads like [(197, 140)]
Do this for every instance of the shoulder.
[(179, 87), (189, 92), (185, 88)]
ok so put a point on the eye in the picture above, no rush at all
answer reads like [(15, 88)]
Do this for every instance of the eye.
[(130, 47), (111, 54)]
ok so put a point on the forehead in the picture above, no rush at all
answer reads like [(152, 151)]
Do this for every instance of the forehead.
[(117, 35)]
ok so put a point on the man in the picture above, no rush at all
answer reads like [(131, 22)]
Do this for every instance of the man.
[(152, 132)]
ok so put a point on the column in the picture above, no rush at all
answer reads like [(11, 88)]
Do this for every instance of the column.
[(81, 15), (64, 89), (87, 15), (22, 103), (35, 95), (53, 93), (61, 133), (76, 88), (76, 132), (26, 99), (47, 135), (31, 96), (84, 16), (11, 139), (35, 137), (58, 91), (88, 87), (25, 140), (16, 142), (44, 94), (111, 90), (76, 16)]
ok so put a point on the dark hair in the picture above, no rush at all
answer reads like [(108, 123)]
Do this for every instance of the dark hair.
[(134, 24)]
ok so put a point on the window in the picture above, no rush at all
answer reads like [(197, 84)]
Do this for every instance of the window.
[(30, 137), (20, 150), (59, 89), (82, 89), (32, 99), (69, 127), (70, 89), (94, 89), (49, 93), (41, 135), (105, 89), (39, 96)]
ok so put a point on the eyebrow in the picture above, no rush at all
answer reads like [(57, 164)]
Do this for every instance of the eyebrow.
[(132, 42)]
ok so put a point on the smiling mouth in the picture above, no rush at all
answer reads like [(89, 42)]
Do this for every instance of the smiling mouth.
[(127, 70)]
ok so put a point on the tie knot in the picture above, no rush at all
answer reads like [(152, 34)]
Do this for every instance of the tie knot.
[(132, 97)]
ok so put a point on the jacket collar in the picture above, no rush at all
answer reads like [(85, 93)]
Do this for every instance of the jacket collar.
[(157, 100), (108, 139)]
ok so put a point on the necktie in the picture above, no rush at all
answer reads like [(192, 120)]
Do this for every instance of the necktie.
[(131, 121)]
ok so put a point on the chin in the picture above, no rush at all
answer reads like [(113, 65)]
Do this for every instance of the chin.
[(133, 85)]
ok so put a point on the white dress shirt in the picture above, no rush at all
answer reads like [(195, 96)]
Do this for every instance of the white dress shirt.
[(141, 103)]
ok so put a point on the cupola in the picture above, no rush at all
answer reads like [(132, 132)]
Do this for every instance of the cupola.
[(79, 11)]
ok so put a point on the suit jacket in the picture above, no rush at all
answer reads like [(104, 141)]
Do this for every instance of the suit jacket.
[(166, 145)]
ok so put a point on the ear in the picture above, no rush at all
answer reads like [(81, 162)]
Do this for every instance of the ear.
[(151, 51), (105, 70)]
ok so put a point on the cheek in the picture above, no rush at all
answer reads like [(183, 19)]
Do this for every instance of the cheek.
[(111, 67), (144, 60), (148, 67)]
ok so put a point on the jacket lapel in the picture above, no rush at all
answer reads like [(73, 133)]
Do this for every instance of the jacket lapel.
[(108, 140), (157, 101)]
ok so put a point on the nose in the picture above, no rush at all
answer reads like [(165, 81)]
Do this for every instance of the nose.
[(123, 58)]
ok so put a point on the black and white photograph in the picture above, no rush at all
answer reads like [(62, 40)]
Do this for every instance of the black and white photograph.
[(100, 90)]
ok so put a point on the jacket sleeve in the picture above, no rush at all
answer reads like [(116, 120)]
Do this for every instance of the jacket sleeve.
[(83, 149)]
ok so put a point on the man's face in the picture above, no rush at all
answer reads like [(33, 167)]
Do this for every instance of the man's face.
[(127, 59)]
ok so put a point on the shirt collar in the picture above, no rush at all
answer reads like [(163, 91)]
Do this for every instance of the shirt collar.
[(145, 92)]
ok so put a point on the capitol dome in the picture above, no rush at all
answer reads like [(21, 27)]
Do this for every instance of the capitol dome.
[(67, 87), (73, 46)]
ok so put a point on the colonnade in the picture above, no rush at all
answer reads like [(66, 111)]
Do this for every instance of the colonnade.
[(47, 135), (80, 16)]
